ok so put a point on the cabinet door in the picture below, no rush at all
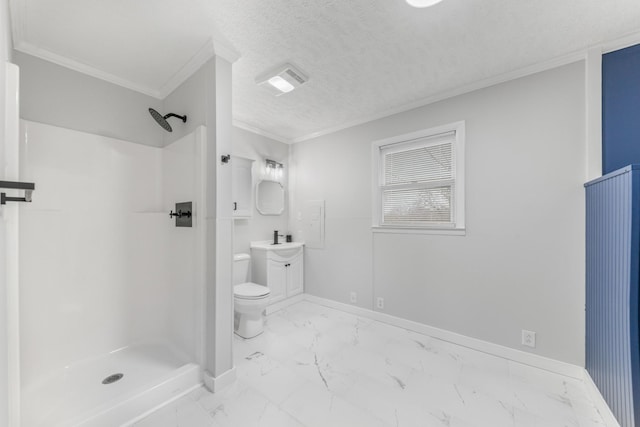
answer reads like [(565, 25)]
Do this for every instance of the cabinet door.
[(295, 276), (276, 280), (241, 187)]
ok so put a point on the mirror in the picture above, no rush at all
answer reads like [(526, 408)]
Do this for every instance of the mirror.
[(270, 198)]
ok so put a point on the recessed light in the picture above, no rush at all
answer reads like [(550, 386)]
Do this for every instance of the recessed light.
[(282, 79), (422, 3)]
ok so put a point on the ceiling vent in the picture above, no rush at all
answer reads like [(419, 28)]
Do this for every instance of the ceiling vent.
[(282, 79)]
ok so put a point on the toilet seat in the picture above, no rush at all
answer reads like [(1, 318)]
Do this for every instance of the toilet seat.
[(250, 291)]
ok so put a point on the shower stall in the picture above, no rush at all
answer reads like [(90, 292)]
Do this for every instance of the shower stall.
[(111, 293)]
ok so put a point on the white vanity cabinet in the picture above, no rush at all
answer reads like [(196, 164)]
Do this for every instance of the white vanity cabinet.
[(279, 267), (241, 187)]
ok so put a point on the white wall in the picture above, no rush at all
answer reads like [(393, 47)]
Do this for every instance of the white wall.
[(102, 266), (521, 263), (59, 96), (259, 227), (206, 100), (220, 308), (182, 181)]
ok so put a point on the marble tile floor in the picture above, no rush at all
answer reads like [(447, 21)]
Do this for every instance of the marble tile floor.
[(316, 366)]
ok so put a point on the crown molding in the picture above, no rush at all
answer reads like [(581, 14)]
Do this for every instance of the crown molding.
[(213, 47), (460, 90), (72, 64), (216, 46), (258, 131), (625, 41), (205, 53), (18, 25), (224, 49), (219, 46), (618, 43)]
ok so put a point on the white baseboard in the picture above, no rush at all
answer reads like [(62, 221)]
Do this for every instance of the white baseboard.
[(285, 303), (215, 384), (530, 359), (598, 400)]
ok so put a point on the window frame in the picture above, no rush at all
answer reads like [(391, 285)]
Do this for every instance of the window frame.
[(404, 142)]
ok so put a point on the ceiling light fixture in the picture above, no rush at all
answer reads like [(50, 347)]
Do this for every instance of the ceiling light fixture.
[(273, 170), (422, 3), (282, 79), (281, 84)]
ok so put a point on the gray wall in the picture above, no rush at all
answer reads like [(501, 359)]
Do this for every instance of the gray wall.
[(189, 98), (59, 96), (259, 227), (521, 263)]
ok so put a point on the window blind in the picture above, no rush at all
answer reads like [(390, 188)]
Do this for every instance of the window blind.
[(420, 205), (419, 164), (418, 182)]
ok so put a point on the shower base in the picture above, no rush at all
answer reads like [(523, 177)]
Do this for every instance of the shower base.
[(76, 396)]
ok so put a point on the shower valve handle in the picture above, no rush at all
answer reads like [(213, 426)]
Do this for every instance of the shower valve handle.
[(180, 214)]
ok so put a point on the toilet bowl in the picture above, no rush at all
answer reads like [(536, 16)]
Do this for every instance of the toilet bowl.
[(249, 300)]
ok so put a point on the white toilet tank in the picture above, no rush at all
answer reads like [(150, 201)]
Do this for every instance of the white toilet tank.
[(241, 264)]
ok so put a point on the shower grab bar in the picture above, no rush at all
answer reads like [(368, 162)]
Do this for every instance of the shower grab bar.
[(28, 188)]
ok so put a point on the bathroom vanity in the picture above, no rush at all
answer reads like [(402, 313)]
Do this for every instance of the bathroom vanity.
[(279, 267)]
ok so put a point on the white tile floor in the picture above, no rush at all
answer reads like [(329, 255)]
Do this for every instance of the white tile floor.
[(315, 366)]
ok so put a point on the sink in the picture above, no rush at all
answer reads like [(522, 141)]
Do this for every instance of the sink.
[(278, 267), (267, 245)]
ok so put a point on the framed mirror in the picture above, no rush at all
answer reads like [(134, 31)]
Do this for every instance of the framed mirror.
[(270, 198)]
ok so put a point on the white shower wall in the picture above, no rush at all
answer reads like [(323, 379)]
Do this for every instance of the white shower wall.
[(183, 181), (102, 265)]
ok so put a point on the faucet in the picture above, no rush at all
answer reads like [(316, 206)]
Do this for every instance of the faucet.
[(275, 237)]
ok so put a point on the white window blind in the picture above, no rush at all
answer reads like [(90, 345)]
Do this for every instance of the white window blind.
[(417, 182)]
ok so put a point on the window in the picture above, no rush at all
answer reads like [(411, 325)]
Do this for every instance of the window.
[(419, 181)]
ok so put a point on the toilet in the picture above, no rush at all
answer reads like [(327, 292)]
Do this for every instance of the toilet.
[(249, 300)]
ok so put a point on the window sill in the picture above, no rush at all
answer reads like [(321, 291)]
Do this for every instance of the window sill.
[(421, 230)]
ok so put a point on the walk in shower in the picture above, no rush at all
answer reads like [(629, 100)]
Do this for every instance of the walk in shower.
[(111, 293)]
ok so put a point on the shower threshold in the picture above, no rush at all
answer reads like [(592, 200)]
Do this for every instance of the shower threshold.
[(114, 389)]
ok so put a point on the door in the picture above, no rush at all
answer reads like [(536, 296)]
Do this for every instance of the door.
[(242, 184), (295, 276), (276, 280)]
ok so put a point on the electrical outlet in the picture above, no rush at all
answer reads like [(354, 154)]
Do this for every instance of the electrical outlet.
[(380, 303), (353, 297), (528, 338)]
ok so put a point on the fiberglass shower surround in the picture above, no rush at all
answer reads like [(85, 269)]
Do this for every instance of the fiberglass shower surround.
[(110, 294)]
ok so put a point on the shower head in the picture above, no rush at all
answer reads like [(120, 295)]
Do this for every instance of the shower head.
[(162, 120)]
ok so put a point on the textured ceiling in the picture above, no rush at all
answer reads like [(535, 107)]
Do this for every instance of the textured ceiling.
[(364, 57)]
